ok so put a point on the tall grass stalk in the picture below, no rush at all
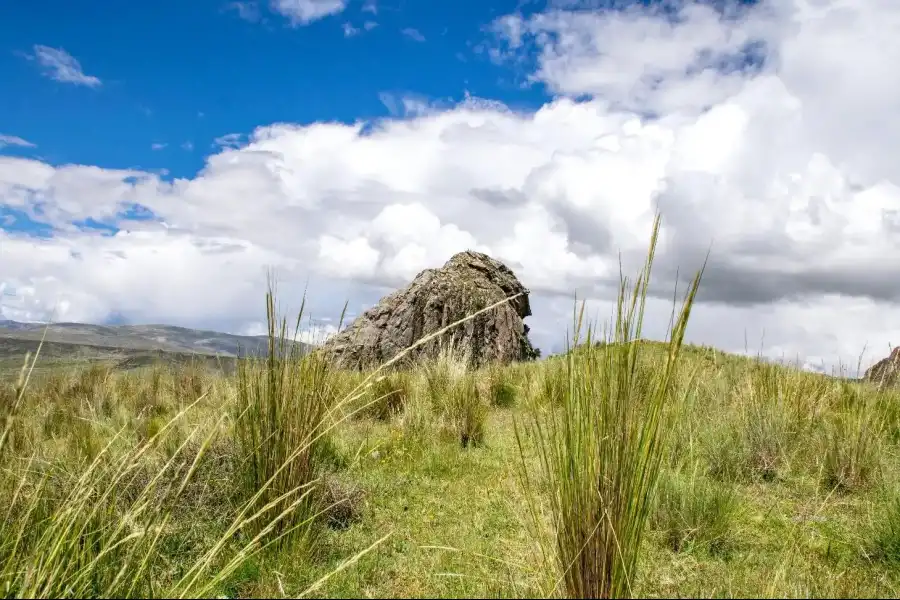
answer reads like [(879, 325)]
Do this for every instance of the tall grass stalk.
[(884, 532), (101, 531), (96, 535), (389, 395), (10, 406), (600, 451), (285, 402), (288, 407), (452, 391), (853, 435)]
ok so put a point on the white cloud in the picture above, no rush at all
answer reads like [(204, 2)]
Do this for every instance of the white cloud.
[(350, 30), (248, 11), (14, 140), (411, 105), (413, 34), (303, 12), (309, 333), (60, 65), (370, 6), (229, 140), (157, 146), (316, 334), (786, 170), (188, 145)]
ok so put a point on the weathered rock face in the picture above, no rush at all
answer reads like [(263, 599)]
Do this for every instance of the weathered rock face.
[(467, 283), (886, 372)]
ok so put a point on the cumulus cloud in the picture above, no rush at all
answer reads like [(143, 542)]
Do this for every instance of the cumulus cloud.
[(303, 12), (760, 158), (59, 65)]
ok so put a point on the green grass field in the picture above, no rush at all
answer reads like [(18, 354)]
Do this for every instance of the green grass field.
[(621, 469), (773, 483)]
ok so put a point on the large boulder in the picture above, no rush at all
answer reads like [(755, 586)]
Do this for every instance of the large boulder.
[(467, 283), (885, 372)]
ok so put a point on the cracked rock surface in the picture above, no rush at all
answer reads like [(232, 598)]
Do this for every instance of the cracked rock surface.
[(468, 282)]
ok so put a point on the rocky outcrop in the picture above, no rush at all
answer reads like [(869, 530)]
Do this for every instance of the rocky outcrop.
[(467, 283), (886, 371)]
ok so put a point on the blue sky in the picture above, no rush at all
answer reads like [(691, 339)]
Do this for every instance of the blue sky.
[(545, 133), (161, 84), (184, 73)]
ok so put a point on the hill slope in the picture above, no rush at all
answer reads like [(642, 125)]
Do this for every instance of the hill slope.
[(126, 345)]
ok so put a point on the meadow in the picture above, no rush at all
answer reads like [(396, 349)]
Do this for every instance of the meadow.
[(623, 468)]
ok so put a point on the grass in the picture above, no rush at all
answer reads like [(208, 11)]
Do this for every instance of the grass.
[(118, 517), (461, 520), (388, 396), (623, 468), (692, 512), (453, 393), (852, 441), (281, 425), (601, 451), (499, 389), (885, 532)]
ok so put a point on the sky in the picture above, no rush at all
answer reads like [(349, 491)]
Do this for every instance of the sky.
[(158, 161)]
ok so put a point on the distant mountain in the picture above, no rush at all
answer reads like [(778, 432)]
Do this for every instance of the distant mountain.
[(157, 338)]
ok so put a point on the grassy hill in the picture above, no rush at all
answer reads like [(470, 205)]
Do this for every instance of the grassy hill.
[(123, 347), (59, 355), (773, 482)]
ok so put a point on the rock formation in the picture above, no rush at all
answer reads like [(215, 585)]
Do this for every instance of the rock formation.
[(886, 370), (468, 282)]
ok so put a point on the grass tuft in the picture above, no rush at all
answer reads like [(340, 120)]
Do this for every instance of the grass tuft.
[(852, 443), (452, 390), (388, 396), (281, 423), (753, 441), (600, 452), (693, 512), (885, 533), (500, 390)]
